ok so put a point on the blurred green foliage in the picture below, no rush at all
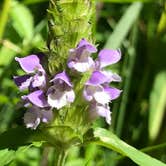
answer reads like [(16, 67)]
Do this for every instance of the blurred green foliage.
[(138, 117)]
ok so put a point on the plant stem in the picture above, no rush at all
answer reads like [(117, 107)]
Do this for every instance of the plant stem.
[(4, 16), (61, 158)]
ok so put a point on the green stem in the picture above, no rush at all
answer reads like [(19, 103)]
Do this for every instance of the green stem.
[(4, 16), (61, 158)]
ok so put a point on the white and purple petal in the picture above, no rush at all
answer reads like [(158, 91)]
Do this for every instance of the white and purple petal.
[(79, 58), (82, 66), (39, 80), (96, 93), (104, 111), (62, 77), (90, 90), (59, 97), (101, 110)]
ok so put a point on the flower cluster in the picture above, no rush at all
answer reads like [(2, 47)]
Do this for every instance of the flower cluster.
[(46, 93)]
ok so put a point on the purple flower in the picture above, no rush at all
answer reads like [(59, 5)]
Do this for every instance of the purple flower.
[(61, 93), (35, 115), (79, 58), (36, 76), (96, 88)]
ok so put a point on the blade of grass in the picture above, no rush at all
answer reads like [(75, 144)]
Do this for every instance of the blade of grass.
[(124, 25), (109, 140)]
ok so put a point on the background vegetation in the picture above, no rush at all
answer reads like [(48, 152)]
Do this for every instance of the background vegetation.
[(138, 116)]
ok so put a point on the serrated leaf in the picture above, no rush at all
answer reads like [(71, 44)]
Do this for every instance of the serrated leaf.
[(6, 156), (157, 104), (111, 141), (124, 25), (22, 20)]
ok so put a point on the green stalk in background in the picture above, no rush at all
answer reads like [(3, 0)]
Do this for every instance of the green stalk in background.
[(4, 16), (68, 22)]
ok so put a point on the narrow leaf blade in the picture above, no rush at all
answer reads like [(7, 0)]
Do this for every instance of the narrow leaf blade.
[(111, 141), (124, 25), (157, 104)]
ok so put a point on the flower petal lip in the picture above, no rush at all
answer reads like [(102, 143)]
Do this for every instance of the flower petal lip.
[(114, 93), (101, 110), (23, 82), (107, 57), (112, 77), (34, 115), (64, 77), (29, 63), (104, 111), (38, 98)]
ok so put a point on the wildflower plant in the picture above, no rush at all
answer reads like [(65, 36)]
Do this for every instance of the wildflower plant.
[(65, 89)]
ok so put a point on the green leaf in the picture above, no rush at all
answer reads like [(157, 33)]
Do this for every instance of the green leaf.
[(20, 136), (111, 141), (157, 104), (6, 156), (124, 25), (6, 56), (22, 20)]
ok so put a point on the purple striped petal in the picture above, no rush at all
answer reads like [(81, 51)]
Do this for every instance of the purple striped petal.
[(29, 63), (38, 98), (107, 57)]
